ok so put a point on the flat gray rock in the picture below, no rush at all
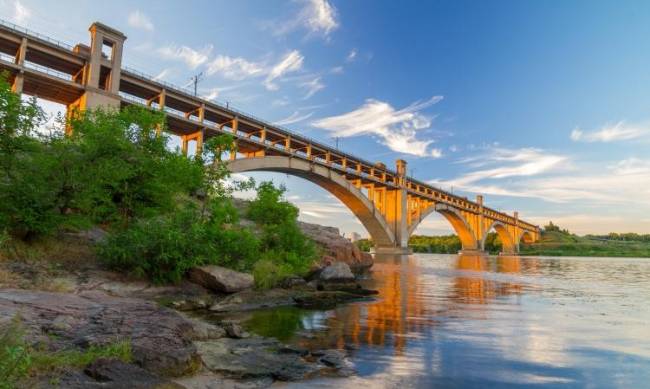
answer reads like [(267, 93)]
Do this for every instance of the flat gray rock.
[(221, 279)]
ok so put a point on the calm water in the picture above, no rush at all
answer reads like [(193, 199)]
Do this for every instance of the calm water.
[(465, 321)]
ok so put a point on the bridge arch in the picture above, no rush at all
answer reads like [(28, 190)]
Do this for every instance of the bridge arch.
[(526, 237), (456, 219), (508, 243), (329, 180)]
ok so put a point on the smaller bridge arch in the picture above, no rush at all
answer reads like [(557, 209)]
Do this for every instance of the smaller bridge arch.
[(526, 237), (509, 244)]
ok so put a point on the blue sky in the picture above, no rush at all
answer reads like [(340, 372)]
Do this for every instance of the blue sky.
[(543, 107)]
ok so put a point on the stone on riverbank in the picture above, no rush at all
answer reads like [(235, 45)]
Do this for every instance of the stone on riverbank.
[(221, 279), (336, 247), (336, 272), (160, 338), (254, 358)]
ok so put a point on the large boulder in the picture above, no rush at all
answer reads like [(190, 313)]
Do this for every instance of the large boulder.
[(160, 338), (221, 279), (336, 248), (336, 272)]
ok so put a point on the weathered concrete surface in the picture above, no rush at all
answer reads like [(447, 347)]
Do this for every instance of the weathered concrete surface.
[(221, 279), (160, 338)]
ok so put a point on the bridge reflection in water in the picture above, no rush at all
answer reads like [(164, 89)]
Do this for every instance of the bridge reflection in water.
[(412, 301)]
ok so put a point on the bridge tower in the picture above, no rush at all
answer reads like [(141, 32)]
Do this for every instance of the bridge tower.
[(101, 73)]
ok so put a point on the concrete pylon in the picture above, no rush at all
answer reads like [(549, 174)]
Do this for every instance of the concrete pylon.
[(101, 73), (396, 208)]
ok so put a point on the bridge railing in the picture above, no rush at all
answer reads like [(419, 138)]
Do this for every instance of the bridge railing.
[(35, 34)]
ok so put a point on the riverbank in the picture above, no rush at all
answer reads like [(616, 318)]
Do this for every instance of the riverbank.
[(559, 243), (184, 335)]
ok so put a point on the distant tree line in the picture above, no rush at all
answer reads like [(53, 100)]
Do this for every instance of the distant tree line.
[(442, 244)]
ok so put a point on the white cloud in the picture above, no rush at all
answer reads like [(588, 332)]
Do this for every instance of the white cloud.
[(212, 94), (352, 55), (193, 58), (164, 73), (316, 16), (612, 133), (21, 12), (396, 128), (139, 20), (519, 162), (337, 70), (312, 87), (319, 16), (535, 173), (290, 63), (234, 68), (293, 118)]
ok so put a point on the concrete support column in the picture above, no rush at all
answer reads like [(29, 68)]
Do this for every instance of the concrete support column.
[(480, 231), (19, 80), (199, 143), (184, 144), (515, 229)]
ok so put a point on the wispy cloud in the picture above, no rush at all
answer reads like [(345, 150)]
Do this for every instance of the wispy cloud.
[(192, 58), (234, 68), (164, 73), (139, 20), (352, 55), (316, 16), (290, 63), (312, 87), (295, 117), (212, 94), (612, 133), (553, 178), (495, 164), (20, 12), (397, 129)]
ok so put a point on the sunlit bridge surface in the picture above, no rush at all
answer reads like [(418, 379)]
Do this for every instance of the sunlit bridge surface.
[(450, 321)]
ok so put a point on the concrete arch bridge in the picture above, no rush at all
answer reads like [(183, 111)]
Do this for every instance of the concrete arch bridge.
[(388, 203)]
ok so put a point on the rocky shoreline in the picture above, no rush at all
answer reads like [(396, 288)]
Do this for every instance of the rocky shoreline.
[(172, 345)]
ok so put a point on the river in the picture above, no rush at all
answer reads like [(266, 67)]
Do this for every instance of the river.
[(466, 321)]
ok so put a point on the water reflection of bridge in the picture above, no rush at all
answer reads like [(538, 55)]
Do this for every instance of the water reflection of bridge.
[(411, 302)]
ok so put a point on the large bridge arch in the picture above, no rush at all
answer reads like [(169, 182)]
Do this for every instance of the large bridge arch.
[(456, 219), (329, 180)]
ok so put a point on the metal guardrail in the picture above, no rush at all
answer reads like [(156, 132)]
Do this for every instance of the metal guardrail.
[(35, 34)]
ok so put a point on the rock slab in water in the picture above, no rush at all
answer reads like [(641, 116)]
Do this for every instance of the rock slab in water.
[(253, 358), (107, 373), (221, 279), (160, 338), (337, 271)]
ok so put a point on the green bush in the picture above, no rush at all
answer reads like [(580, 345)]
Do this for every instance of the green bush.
[(283, 244), (164, 248)]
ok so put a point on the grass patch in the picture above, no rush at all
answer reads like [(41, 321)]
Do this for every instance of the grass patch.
[(19, 361)]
